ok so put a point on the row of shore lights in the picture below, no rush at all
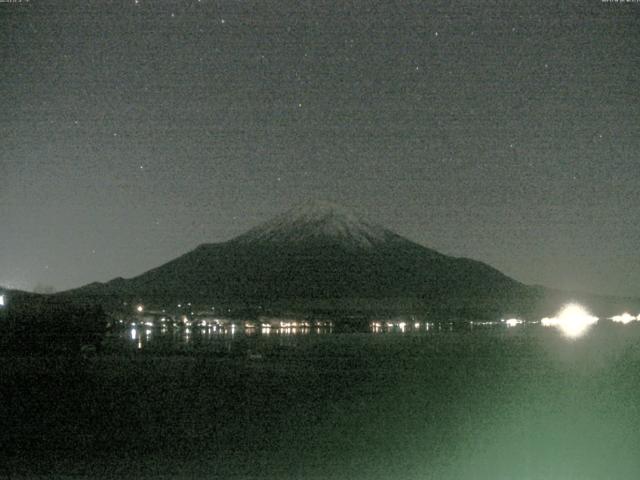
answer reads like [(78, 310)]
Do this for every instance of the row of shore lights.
[(140, 308), (574, 320)]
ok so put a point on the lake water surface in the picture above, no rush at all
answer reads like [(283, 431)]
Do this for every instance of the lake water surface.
[(483, 403)]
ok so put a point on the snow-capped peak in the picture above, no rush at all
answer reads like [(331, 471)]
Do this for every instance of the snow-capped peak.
[(318, 221)]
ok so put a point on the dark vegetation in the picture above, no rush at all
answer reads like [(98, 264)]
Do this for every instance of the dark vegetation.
[(43, 325)]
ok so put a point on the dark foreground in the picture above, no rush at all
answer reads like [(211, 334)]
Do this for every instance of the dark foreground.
[(522, 403)]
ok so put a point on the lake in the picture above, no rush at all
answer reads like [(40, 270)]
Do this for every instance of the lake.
[(442, 402)]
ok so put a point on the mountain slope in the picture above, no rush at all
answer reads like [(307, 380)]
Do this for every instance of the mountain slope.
[(320, 254)]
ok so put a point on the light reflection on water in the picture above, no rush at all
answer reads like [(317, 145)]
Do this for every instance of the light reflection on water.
[(166, 335), (170, 336), (201, 333), (398, 327)]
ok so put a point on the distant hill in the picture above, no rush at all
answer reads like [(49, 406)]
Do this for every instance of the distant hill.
[(319, 257), (11, 295), (40, 324)]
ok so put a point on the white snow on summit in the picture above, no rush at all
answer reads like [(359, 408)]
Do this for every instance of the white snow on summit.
[(316, 221)]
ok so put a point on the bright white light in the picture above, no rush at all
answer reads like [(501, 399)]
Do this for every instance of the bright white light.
[(2, 304), (512, 322), (140, 308), (549, 322), (624, 318), (573, 320)]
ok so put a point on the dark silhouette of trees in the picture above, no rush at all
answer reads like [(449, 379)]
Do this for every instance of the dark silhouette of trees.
[(35, 324)]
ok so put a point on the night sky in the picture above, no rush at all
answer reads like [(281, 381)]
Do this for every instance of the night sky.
[(131, 132)]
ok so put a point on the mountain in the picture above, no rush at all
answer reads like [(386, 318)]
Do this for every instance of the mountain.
[(319, 257), (11, 295), (319, 223)]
